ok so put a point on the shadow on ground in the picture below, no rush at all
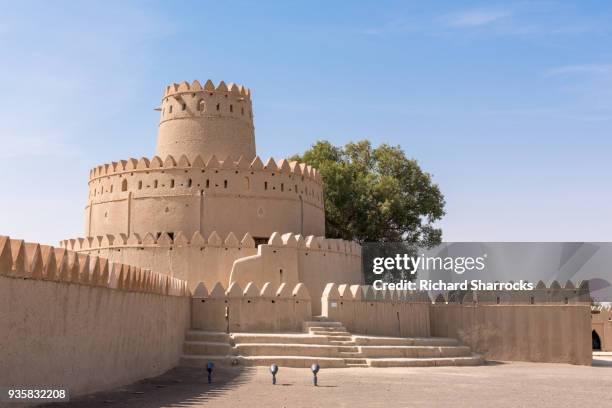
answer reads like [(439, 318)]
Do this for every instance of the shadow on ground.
[(179, 387)]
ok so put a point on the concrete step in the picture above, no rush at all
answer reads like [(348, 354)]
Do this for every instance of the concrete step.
[(357, 365), (272, 349), (348, 349), (307, 325), (342, 342), (327, 329), (206, 348), (202, 361), (346, 355), (278, 338), (403, 341), (199, 335), (291, 361), (330, 333), (355, 361), (414, 351), (472, 360)]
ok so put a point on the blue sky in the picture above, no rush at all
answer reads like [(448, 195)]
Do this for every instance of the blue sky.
[(508, 105)]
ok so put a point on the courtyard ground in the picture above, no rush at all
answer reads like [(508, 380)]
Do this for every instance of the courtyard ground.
[(496, 384)]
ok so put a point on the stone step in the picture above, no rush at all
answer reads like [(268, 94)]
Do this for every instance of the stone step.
[(348, 349), (350, 354), (472, 360), (363, 340), (291, 361), (293, 338), (284, 349), (199, 335), (355, 361), (357, 365), (414, 351), (306, 325), (342, 342), (332, 329), (188, 360), (330, 333), (206, 348)]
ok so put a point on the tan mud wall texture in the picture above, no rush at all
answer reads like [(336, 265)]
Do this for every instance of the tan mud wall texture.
[(539, 333), (86, 338), (267, 309), (70, 320)]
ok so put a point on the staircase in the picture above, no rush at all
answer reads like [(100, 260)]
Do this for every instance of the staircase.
[(337, 335), (326, 343)]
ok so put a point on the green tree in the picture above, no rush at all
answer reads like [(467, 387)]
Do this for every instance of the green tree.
[(376, 194)]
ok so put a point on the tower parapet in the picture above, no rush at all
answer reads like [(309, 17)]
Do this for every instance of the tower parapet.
[(206, 120)]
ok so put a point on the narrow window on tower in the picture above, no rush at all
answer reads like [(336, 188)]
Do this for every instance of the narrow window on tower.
[(218, 107), (170, 109), (172, 183), (207, 183), (265, 185), (183, 106), (140, 185), (224, 183), (231, 108), (189, 183)]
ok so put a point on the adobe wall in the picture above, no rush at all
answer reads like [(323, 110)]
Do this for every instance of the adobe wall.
[(550, 325), (189, 195), (363, 310), (271, 309), (287, 258), (292, 259), (83, 323), (601, 321), (206, 120)]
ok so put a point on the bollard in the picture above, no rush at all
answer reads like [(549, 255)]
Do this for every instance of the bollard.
[(274, 370), (315, 369)]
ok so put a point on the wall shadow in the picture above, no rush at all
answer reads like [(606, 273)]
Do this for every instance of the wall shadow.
[(179, 387)]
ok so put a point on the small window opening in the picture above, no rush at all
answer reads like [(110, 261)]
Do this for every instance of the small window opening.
[(172, 183), (184, 106), (207, 183), (124, 185), (189, 183), (224, 183), (218, 107), (140, 185), (155, 184), (170, 109), (265, 185), (231, 108)]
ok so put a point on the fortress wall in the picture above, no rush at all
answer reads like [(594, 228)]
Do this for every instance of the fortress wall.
[(287, 258), (182, 195), (291, 259), (192, 259), (387, 313), (271, 309), (541, 326), (67, 319)]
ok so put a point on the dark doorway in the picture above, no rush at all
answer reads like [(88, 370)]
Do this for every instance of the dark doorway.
[(596, 340)]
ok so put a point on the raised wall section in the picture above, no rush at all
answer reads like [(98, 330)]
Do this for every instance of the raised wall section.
[(189, 195), (269, 309), (544, 325), (363, 310), (76, 321), (286, 258)]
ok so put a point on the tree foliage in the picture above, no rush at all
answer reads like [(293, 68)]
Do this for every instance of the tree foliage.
[(376, 194)]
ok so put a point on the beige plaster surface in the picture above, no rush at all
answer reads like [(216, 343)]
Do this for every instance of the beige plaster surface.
[(87, 338)]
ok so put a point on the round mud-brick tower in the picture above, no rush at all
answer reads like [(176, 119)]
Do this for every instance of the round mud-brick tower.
[(206, 120)]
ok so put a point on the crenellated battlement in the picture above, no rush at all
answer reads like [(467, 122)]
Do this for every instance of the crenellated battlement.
[(19, 259), (144, 164), (234, 90), (179, 239), (541, 295)]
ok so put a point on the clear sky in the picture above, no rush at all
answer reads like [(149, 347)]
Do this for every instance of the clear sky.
[(508, 105)]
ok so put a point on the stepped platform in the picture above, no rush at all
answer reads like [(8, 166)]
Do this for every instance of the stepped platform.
[(326, 343)]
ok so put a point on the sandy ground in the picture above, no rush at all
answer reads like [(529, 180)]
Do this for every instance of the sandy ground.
[(492, 385)]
